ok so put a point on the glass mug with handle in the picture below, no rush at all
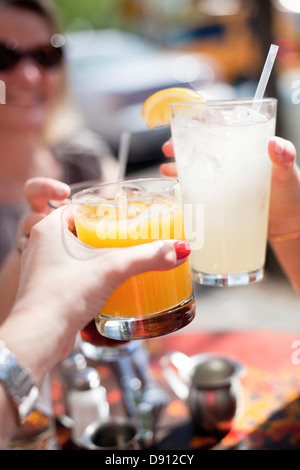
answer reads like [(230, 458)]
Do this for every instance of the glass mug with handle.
[(127, 213)]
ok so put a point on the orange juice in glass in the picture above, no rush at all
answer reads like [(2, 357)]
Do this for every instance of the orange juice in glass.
[(128, 213)]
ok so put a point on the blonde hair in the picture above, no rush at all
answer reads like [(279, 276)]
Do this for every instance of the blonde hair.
[(63, 119)]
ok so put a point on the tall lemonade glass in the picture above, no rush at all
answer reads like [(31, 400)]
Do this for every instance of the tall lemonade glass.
[(224, 169), (128, 213)]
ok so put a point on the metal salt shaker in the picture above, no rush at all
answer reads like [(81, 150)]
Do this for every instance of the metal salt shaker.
[(86, 400)]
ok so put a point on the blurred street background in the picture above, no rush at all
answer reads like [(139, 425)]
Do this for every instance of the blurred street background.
[(121, 51)]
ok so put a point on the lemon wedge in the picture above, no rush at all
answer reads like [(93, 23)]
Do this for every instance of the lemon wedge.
[(156, 109)]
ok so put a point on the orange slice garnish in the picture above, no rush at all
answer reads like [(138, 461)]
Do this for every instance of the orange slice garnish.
[(156, 109)]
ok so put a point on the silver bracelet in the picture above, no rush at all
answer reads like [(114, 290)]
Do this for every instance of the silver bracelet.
[(18, 383)]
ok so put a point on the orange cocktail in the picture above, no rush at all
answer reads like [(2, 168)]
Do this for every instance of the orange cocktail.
[(129, 213)]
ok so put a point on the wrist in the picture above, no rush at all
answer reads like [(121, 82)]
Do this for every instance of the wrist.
[(18, 383), (287, 222), (284, 237), (8, 420), (35, 337)]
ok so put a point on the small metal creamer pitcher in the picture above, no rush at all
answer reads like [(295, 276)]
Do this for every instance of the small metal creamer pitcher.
[(210, 385)]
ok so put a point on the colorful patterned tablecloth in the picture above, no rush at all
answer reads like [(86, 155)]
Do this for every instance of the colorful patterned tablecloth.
[(271, 391)]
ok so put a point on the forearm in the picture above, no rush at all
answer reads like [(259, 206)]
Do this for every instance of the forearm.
[(288, 255), (8, 418), (37, 343), (9, 280), (284, 238), (35, 338)]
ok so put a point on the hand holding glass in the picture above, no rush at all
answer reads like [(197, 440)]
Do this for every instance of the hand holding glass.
[(223, 166), (128, 213)]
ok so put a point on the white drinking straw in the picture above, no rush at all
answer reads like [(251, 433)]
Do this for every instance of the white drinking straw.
[(123, 154), (264, 78)]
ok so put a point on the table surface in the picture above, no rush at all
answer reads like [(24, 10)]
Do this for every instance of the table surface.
[(271, 391)]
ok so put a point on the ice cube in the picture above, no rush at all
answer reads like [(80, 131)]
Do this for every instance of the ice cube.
[(187, 115), (209, 117), (87, 200), (200, 180), (136, 209), (244, 116), (104, 210), (130, 192)]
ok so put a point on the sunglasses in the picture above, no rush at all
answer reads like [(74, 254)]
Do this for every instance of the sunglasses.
[(47, 56)]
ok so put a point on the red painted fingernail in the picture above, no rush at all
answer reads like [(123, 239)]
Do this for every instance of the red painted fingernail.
[(182, 249)]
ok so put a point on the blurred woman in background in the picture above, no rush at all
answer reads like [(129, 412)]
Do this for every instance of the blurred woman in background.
[(39, 133)]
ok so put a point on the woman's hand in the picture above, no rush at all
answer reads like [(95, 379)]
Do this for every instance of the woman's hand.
[(284, 212), (38, 191), (64, 283), (168, 169), (57, 260), (284, 215)]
